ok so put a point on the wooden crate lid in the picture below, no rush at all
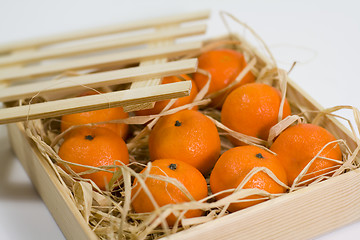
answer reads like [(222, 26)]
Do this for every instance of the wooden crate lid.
[(100, 55)]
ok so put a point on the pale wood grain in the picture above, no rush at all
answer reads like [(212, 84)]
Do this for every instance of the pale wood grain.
[(310, 107), (104, 30), (95, 80), (303, 214), (146, 83), (175, 32), (94, 102), (151, 81), (99, 61), (300, 215)]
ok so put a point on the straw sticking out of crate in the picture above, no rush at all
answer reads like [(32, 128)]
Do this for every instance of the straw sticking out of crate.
[(140, 53), (36, 156)]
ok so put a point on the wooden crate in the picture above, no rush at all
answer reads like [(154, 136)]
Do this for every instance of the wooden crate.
[(138, 53), (302, 214)]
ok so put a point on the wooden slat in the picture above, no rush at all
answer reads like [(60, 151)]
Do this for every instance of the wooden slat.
[(15, 67), (95, 102), (99, 61), (98, 79), (104, 30), (174, 32), (153, 81), (149, 82)]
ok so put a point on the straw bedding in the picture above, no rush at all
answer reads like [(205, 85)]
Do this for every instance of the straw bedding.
[(109, 213)]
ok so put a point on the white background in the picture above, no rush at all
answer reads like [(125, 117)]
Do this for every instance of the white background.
[(322, 36)]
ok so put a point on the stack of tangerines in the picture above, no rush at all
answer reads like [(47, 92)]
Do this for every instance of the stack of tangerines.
[(186, 146)]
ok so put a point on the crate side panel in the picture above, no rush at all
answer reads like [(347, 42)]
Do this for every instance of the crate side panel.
[(48, 186), (299, 215)]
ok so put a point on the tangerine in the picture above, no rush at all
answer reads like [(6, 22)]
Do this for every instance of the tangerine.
[(187, 135), (102, 115), (93, 146), (224, 65), (297, 145), (159, 106), (252, 109), (235, 164), (167, 193)]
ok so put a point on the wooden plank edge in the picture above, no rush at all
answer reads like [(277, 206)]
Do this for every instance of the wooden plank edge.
[(62, 208), (137, 107), (105, 30), (108, 60), (331, 124), (175, 32), (95, 80), (150, 81), (339, 197), (94, 102)]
